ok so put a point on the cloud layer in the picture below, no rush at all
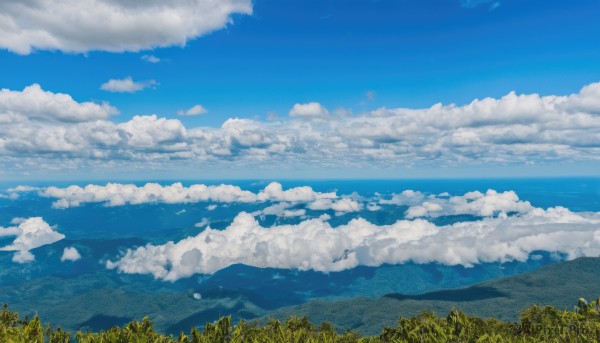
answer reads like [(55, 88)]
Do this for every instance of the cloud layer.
[(488, 204), (116, 194), (110, 25), (315, 245), (40, 127)]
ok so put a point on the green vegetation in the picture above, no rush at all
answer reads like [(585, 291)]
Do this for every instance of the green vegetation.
[(99, 301), (536, 324)]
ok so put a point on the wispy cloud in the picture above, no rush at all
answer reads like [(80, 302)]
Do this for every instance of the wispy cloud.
[(127, 85), (150, 58), (195, 110)]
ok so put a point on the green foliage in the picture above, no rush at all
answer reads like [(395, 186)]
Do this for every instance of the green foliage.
[(536, 324)]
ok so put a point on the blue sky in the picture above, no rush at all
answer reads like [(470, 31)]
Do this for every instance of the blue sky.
[(352, 55)]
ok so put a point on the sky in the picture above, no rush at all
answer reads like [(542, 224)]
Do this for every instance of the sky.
[(130, 89)]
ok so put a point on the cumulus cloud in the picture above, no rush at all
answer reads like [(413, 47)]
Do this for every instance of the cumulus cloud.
[(341, 206), (30, 233), (512, 130), (274, 192), (37, 104), (315, 245), (116, 194), (309, 110), (126, 85), (70, 254), (195, 110), (111, 25), (474, 203)]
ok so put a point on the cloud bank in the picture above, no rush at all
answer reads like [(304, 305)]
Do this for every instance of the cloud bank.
[(30, 233), (110, 25), (488, 204), (116, 194), (315, 245), (40, 128)]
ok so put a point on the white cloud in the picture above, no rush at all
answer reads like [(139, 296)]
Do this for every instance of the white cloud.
[(11, 196), (115, 194), (274, 192), (30, 234), (315, 245), (511, 131), (475, 203), (407, 197), (70, 254), (111, 25), (309, 110), (195, 110), (150, 58), (36, 104), (23, 189), (341, 206), (373, 207), (324, 217), (23, 256), (126, 85), (17, 220), (282, 210), (204, 222)]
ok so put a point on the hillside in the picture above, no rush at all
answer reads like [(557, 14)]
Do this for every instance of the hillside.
[(95, 301), (556, 285)]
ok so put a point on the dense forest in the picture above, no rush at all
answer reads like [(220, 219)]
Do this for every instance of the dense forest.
[(536, 324)]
